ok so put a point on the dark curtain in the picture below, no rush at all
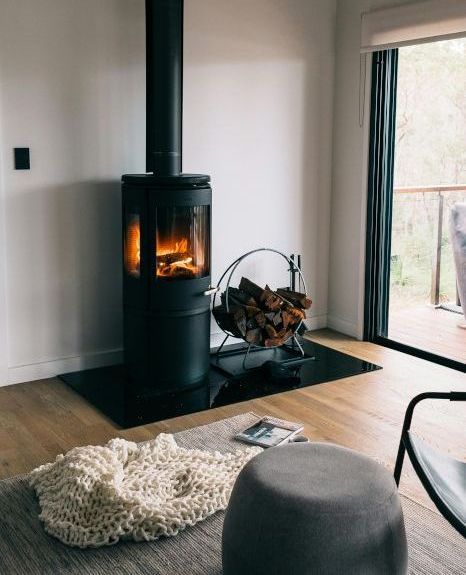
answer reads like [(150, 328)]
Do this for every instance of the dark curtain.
[(380, 192)]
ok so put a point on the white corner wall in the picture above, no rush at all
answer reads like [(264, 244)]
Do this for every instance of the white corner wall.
[(257, 117), (3, 306), (72, 89), (350, 155)]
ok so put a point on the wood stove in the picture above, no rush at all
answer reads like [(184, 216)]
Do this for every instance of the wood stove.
[(167, 269), (166, 230)]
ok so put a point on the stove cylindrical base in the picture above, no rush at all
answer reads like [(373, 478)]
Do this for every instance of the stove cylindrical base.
[(167, 247), (167, 351)]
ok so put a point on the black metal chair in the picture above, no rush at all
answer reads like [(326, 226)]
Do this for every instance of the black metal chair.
[(443, 477)]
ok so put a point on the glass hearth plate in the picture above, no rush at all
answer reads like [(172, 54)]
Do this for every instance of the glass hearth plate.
[(234, 360), (108, 389)]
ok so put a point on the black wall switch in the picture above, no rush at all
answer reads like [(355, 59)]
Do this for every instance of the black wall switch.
[(22, 160)]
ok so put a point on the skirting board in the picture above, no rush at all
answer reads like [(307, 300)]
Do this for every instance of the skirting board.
[(46, 369), (343, 325)]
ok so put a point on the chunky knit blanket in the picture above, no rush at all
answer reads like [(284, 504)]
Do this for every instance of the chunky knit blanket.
[(95, 495)]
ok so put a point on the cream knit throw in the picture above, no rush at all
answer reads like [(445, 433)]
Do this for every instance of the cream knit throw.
[(95, 495)]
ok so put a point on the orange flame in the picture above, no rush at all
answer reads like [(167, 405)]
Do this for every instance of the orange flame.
[(133, 248), (179, 247), (175, 260)]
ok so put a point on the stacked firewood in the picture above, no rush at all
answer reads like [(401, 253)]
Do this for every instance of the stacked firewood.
[(261, 316)]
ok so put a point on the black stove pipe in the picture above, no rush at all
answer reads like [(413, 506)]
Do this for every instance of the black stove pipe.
[(164, 86), (166, 319)]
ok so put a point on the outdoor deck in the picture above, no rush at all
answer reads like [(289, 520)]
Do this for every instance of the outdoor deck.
[(430, 329)]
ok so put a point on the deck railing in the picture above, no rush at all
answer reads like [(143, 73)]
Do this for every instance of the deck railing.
[(440, 192)]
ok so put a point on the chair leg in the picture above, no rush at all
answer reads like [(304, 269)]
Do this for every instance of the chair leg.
[(399, 461), (452, 396)]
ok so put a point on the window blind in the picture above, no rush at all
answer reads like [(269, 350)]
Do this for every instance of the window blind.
[(413, 23)]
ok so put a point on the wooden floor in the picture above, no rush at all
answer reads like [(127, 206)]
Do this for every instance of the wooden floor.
[(429, 329), (39, 420)]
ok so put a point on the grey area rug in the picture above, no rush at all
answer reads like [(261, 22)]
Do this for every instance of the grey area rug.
[(25, 549)]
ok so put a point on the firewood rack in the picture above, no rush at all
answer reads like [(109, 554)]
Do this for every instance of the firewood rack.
[(296, 354)]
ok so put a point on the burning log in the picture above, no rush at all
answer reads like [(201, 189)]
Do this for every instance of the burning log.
[(176, 265), (261, 316), (176, 261), (176, 272), (173, 258)]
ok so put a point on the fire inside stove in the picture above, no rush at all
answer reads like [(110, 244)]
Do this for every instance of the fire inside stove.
[(176, 261), (132, 246), (182, 242)]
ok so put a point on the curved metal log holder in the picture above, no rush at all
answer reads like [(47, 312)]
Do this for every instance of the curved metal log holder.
[(295, 352)]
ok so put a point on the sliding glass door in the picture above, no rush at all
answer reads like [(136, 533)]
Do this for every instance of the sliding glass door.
[(416, 240)]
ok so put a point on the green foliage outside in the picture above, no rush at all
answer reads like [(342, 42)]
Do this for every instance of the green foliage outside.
[(430, 151)]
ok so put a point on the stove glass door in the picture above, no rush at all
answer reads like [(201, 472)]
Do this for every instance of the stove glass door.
[(182, 242), (132, 245)]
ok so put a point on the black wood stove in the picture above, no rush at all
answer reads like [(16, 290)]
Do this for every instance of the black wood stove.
[(166, 230), (166, 261)]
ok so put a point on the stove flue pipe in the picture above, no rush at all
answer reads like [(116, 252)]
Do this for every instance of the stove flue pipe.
[(164, 86)]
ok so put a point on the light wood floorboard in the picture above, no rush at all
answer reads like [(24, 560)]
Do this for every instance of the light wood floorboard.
[(41, 419), (430, 329)]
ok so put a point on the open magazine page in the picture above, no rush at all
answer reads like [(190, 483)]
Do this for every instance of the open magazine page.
[(269, 432)]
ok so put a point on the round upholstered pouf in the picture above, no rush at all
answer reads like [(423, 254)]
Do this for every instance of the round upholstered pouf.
[(314, 508)]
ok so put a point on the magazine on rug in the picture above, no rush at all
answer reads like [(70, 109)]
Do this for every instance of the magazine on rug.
[(269, 432)]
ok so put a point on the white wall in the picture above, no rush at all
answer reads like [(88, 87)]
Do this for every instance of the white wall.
[(349, 186), (72, 82), (258, 118), (3, 302)]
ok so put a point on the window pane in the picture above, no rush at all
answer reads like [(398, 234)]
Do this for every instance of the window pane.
[(429, 181)]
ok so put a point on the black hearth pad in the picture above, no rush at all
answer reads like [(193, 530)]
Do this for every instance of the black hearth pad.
[(108, 390)]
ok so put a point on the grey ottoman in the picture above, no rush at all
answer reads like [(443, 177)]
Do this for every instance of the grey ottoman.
[(313, 508)]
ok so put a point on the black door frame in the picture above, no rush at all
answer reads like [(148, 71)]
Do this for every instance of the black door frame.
[(379, 209)]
